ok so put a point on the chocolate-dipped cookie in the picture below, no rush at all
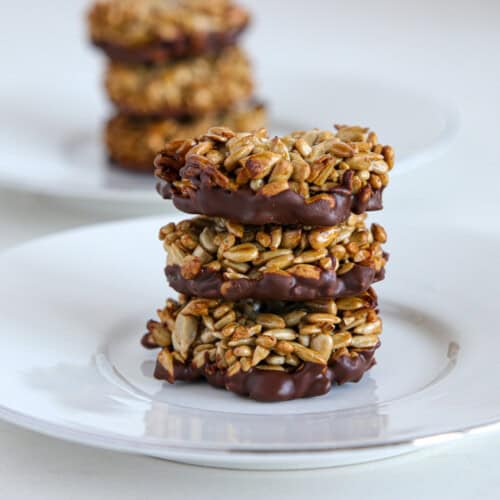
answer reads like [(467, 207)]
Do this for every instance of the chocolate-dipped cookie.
[(191, 87), (133, 142), (159, 31), (216, 258), (272, 351), (312, 178)]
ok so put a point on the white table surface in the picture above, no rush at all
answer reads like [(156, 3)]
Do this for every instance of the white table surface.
[(449, 48)]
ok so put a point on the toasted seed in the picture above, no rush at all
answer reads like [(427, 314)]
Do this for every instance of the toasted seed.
[(307, 354), (291, 238), (274, 188), (238, 267), (268, 320), (232, 275), (369, 328), (234, 369), (259, 354), (276, 235), (185, 332), (245, 252), (239, 342), (379, 233), (282, 262), (198, 307), (322, 318), (342, 150), (204, 256), (175, 256), (375, 181), (281, 172), (379, 167), (222, 310), (231, 161), (305, 271), (160, 333), (199, 359), (310, 329), (225, 320), (293, 318), (303, 147), (388, 154), (243, 351), (283, 347), (310, 256), (345, 268), (260, 165), (266, 341), (246, 364), (328, 306), (274, 360), (305, 340), (229, 357), (235, 228), (214, 266), (263, 238), (271, 254), (301, 169), (364, 341), (350, 303), (167, 362), (323, 344), (281, 333), (190, 267), (341, 339), (292, 360), (322, 197)]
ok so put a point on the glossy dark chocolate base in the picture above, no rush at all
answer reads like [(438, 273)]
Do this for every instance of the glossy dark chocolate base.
[(309, 380), (162, 52), (208, 284), (247, 207)]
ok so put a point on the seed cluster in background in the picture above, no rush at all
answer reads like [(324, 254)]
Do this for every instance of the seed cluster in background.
[(174, 70)]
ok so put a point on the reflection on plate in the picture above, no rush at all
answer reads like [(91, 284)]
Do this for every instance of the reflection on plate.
[(73, 367)]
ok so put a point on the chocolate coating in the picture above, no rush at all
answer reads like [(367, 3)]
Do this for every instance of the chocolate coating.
[(160, 52), (288, 207), (208, 284), (309, 380)]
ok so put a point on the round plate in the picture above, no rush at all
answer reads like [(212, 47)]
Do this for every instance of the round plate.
[(74, 307), (63, 155)]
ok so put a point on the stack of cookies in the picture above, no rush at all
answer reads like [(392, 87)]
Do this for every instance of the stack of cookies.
[(275, 274), (174, 71)]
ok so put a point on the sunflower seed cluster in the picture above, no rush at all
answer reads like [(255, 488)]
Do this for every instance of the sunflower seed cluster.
[(193, 87), (272, 336), (311, 163), (249, 252)]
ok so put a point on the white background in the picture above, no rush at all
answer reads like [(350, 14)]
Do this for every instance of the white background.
[(447, 48)]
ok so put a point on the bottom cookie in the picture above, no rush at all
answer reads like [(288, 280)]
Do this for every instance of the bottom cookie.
[(272, 351), (132, 142)]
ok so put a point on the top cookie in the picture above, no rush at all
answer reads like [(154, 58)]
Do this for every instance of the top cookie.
[(157, 31), (312, 178)]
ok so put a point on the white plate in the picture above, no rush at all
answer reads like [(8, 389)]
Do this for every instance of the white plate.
[(55, 149), (74, 307)]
